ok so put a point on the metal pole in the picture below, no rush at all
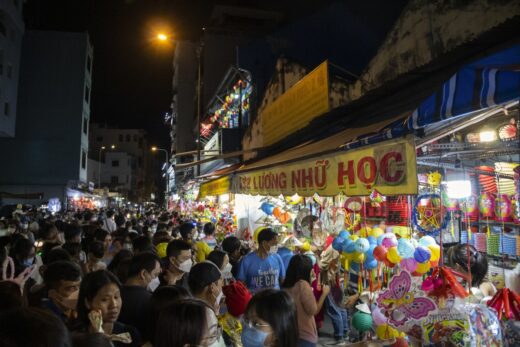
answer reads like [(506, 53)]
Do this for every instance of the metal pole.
[(199, 99), (99, 168)]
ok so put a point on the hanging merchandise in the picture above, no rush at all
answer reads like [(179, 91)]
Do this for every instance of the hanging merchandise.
[(429, 216)]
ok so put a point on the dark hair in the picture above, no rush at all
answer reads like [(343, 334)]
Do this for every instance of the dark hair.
[(181, 323), (478, 264), (72, 231), (32, 327), (90, 286), (73, 248), (161, 236), (91, 339), (217, 257), (185, 229), (175, 247), (142, 261), (231, 244), (11, 296), (162, 297), (60, 271), (100, 235), (55, 254), (142, 244), (266, 234), (276, 307), (202, 275), (46, 230), (21, 248), (209, 229), (97, 249), (122, 255), (299, 268)]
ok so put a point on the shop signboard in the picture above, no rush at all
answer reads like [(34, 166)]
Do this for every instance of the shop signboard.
[(389, 167), (295, 108), (215, 187)]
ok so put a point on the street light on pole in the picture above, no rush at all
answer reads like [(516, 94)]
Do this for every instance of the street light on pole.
[(102, 148)]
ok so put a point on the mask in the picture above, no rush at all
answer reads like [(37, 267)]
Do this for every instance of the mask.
[(4, 232), (28, 262), (219, 298), (24, 226), (128, 246), (154, 229), (152, 286), (252, 337), (186, 265), (273, 250)]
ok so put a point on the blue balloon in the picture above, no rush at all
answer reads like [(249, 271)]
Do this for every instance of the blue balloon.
[(405, 249), (354, 266), (380, 240), (337, 244), (422, 254), (362, 245), (347, 244), (370, 253), (344, 234), (267, 208), (372, 240), (351, 248), (370, 264)]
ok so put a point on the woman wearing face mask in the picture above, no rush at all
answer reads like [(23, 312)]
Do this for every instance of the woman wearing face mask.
[(270, 320), (99, 305), (188, 323), (300, 275), (221, 259)]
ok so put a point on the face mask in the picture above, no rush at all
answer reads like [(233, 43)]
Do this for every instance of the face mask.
[(4, 232), (227, 269), (24, 226), (28, 262), (128, 246), (186, 265), (152, 286), (273, 250), (154, 229), (219, 298), (252, 337)]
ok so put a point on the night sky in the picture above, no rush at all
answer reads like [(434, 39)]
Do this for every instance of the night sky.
[(132, 73)]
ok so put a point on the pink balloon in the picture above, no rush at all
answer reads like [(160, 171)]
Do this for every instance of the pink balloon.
[(378, 317), (409, 264), (389, 241)]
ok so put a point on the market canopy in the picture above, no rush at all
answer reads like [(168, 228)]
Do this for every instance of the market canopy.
[(491, 81), (214, 187)]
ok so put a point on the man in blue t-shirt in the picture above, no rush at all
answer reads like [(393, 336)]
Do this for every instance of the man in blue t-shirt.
[(263, 268)]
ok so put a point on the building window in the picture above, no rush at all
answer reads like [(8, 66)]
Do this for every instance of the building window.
[(99, 139), (128, 138), (135, 138), (83, 160), (121, 138), (6, 109), (87, 94), (9, 71), (85, 126), (114, 180), (115, 163), (89, 63)]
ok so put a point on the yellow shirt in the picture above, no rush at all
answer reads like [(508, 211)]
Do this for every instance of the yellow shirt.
[(202, 251)]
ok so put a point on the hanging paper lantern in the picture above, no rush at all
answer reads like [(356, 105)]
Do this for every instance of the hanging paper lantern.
[(337, 244), (434, 178), (423, 268), (429, 215), (362, 321), (426, 241), (405, 248), (370, 264), (450, 204), (409, 264), (435, 253), (486, 205), (393, 255), (362, 245), (422, 254), (380, 253), (389, 240)]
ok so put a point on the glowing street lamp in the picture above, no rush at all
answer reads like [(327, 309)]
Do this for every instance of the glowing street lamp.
[(162, 37)]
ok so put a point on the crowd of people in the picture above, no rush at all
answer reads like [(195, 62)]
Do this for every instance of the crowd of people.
[(120, 278)]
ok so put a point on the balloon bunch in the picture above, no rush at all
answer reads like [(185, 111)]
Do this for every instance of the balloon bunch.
[(416, 257), (358, 250)]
